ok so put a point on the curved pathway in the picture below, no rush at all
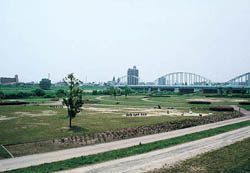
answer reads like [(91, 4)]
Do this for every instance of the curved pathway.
[(36, 159)]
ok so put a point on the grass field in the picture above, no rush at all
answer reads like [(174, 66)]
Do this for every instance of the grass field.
[(31, 123), (231, 159), (179, 101), (125, 152)]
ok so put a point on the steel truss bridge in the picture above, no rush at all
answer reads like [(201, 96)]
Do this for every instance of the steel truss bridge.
[(241, 80), (187, 80)]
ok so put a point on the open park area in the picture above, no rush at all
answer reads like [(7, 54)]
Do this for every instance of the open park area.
[(41, 124)]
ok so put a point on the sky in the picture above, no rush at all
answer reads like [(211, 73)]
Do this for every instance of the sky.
[(99, 39)]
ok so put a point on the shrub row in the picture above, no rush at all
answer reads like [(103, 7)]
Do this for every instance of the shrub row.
[(19, 95), (113, 135), (244, 103), (221, 108), (13, 103), (199, 102)]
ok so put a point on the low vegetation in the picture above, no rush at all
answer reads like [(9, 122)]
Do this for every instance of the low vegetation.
[(222, 108), (200, 102)]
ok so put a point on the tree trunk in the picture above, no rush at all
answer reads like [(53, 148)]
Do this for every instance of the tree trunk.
[(70, 119)]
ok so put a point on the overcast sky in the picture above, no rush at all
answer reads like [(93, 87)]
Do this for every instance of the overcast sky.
[(103, 38)]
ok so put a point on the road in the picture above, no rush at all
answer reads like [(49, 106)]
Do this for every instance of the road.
[(36, 159)]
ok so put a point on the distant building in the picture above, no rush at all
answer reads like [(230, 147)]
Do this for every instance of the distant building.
[(150, 83), (133, 76), (60, 83), (162, 81), (9, 81)]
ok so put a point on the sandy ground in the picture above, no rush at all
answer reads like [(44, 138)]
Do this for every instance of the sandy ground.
[(43, 113), (3, 118), (218, 100), (36, 159), (148, 111)]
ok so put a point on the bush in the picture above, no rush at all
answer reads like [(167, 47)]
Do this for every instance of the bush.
[(13, 103), (60, 93), (50, 95), (17, 95), (244, 103), (221, 108), (39, 92), (199, 102)]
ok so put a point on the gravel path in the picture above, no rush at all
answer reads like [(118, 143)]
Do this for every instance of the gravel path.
[(36, 159), (157, 159)]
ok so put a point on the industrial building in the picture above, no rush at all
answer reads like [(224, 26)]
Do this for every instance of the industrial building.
[(9, 81)]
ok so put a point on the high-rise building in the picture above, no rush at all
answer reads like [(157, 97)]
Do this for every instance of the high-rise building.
[(162, 81), (133, 76)]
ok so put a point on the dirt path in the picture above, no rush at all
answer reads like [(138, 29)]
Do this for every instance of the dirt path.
[(157, 159), (36, 159), (151, 101), (56, 103)]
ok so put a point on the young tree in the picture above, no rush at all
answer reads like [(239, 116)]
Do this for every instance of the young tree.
[(45, 84), (74, 99)]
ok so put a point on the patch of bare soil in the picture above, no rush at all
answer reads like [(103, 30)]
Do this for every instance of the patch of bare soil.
[(217, 100), (148, 111), (43, 113), (3, 118)]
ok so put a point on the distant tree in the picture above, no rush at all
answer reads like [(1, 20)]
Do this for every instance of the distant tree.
[(229, 90), (243, 91), (1, 95), (60, 93), (127, 91), (74, 99), (114, 92), (45, 84), (39, 92), (94, 92)]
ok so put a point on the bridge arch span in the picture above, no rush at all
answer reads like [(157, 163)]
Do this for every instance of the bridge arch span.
[(241, 80), (183, 78)]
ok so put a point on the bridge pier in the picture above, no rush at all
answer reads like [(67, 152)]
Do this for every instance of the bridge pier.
[(149, 90), (219, 91)]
